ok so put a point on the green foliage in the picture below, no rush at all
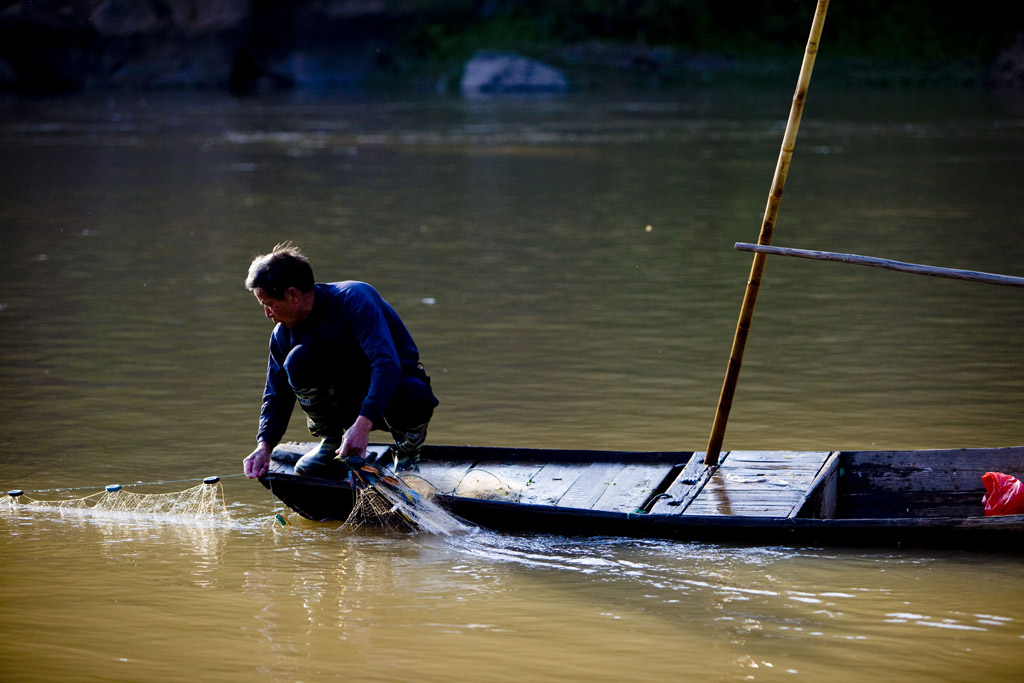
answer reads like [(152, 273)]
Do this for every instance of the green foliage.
[(874, 41), (922, 30), (906, 29)]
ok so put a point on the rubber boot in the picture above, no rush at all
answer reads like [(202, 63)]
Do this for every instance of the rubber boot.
[(408, 444), (322, 461)]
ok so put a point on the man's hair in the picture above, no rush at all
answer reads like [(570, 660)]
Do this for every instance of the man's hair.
[(279, 270)]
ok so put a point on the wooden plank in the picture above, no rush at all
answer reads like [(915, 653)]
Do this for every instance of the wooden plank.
[(590, 485), (743, 494), (631, 487), (819, 501), (285, 455), (551, 483), (955, 470), (278, 467), (876, 484), (793, 460), (759, 484), (684, 489), (542, 455)]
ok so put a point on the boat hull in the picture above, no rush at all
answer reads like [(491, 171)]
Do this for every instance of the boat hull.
[(855, 498)]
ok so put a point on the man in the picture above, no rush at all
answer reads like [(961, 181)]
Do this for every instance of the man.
[(345, 355)]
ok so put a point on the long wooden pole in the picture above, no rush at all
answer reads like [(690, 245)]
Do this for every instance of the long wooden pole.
[(767, 228), (855, 259)]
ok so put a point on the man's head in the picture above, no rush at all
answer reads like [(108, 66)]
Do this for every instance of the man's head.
[(283, 282), (282, 268)]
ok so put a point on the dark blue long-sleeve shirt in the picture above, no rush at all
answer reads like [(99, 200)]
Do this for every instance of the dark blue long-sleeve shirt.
[(361, 331)]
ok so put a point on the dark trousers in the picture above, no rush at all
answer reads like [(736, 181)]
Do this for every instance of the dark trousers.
[(331, 395)]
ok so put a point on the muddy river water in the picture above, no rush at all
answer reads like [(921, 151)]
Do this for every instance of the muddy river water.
[(566, 267)]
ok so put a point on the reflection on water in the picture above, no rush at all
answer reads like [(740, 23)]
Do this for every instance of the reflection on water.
[(253, 599), (566, 266)]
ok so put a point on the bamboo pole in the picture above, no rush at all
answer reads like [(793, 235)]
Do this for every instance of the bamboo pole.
[(917, 269), (767, 228)]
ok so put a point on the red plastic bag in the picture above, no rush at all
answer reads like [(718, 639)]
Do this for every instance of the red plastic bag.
[(1004, 495)]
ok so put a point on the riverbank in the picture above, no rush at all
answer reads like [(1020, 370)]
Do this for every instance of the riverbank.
[(337, 45)]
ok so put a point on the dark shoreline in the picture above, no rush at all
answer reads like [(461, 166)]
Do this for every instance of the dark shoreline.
[(603, 70), (249, 46)]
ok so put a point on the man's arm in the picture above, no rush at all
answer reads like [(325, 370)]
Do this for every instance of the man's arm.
[(278, 397), (278, 402), (365, 316)]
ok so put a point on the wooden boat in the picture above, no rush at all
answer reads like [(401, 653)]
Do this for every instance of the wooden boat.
[(924, 498), (823, 497)]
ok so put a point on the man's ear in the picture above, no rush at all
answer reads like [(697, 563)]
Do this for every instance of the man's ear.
[(291, 294)]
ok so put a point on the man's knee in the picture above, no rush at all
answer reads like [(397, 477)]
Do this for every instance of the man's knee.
[(303, 368), (328, 409), (413, 405)]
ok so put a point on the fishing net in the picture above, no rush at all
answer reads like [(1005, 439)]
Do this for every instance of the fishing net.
[(386, 500), (486, 485), (204, 501)]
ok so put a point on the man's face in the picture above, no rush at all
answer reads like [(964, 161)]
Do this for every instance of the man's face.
[(285, 311)]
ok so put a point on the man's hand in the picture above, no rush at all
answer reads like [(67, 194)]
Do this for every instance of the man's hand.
[(258, 462), (357, 438)]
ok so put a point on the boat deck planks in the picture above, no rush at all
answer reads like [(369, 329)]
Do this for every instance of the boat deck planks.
[(750, 483), (285, 456), (552, 482), (746, 483), (686, 486), (631, 487), (606, 486), (591, 485), (758, 484)]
